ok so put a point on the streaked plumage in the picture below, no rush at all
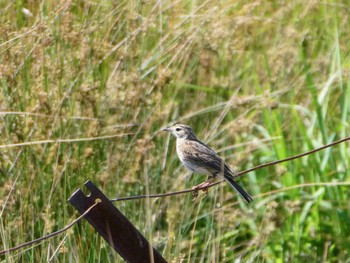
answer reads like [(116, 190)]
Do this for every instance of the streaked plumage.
[(199, 158)]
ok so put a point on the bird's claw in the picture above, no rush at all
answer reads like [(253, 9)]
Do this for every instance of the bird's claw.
[(202, 186), (194, 193)]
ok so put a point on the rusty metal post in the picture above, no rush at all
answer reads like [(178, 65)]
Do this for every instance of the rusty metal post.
[(114, 227)]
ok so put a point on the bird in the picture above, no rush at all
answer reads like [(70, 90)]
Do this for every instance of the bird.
[(199, 158)]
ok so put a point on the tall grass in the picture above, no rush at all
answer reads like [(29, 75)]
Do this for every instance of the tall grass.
[(86, 86)]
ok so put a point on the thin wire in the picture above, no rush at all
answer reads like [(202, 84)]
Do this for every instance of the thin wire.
[(194, 191), (292, 157), (183, 192), (50, 235)]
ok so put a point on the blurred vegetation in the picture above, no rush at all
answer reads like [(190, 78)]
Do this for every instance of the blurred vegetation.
[(257, 80)]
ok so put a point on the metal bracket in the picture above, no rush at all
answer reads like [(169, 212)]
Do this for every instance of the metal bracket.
[(114, 227)]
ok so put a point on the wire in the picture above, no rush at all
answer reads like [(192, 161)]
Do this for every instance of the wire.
[(195, 190), (50, 235)]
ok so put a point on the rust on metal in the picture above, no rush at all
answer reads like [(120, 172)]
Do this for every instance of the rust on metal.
[(114, 227)]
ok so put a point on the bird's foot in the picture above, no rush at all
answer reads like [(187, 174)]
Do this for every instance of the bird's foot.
[(202, 186), (194, 194)]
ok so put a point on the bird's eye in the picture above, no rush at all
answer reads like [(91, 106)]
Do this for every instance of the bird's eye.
[(177, 129)]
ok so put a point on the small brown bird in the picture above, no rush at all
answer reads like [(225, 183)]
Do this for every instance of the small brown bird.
[(199, 158)]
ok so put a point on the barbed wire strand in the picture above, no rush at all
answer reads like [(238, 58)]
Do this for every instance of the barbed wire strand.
[(293, 157), (174, 193), (50, 235), (236, 175)]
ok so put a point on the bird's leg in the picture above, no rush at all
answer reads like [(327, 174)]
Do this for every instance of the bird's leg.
[(203, 186)]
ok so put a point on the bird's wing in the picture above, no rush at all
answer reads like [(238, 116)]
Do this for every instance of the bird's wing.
[(199, 153)]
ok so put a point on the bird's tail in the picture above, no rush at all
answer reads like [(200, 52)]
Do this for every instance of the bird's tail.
[(238, 189)]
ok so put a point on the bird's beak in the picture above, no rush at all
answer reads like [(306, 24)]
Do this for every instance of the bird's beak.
[(166, 129)]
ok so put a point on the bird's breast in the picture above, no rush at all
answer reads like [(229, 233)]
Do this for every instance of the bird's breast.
[(180, 150), (186, 151)]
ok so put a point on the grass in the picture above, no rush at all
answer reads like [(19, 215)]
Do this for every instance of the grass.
[(86, 86)]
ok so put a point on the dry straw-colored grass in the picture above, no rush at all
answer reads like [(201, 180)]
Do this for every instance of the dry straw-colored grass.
[(86, 86)]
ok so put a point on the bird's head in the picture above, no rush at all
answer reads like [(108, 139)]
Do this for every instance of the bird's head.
[(181, 131)]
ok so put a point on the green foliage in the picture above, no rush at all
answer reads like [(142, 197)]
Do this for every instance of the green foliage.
[(85, 87)]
